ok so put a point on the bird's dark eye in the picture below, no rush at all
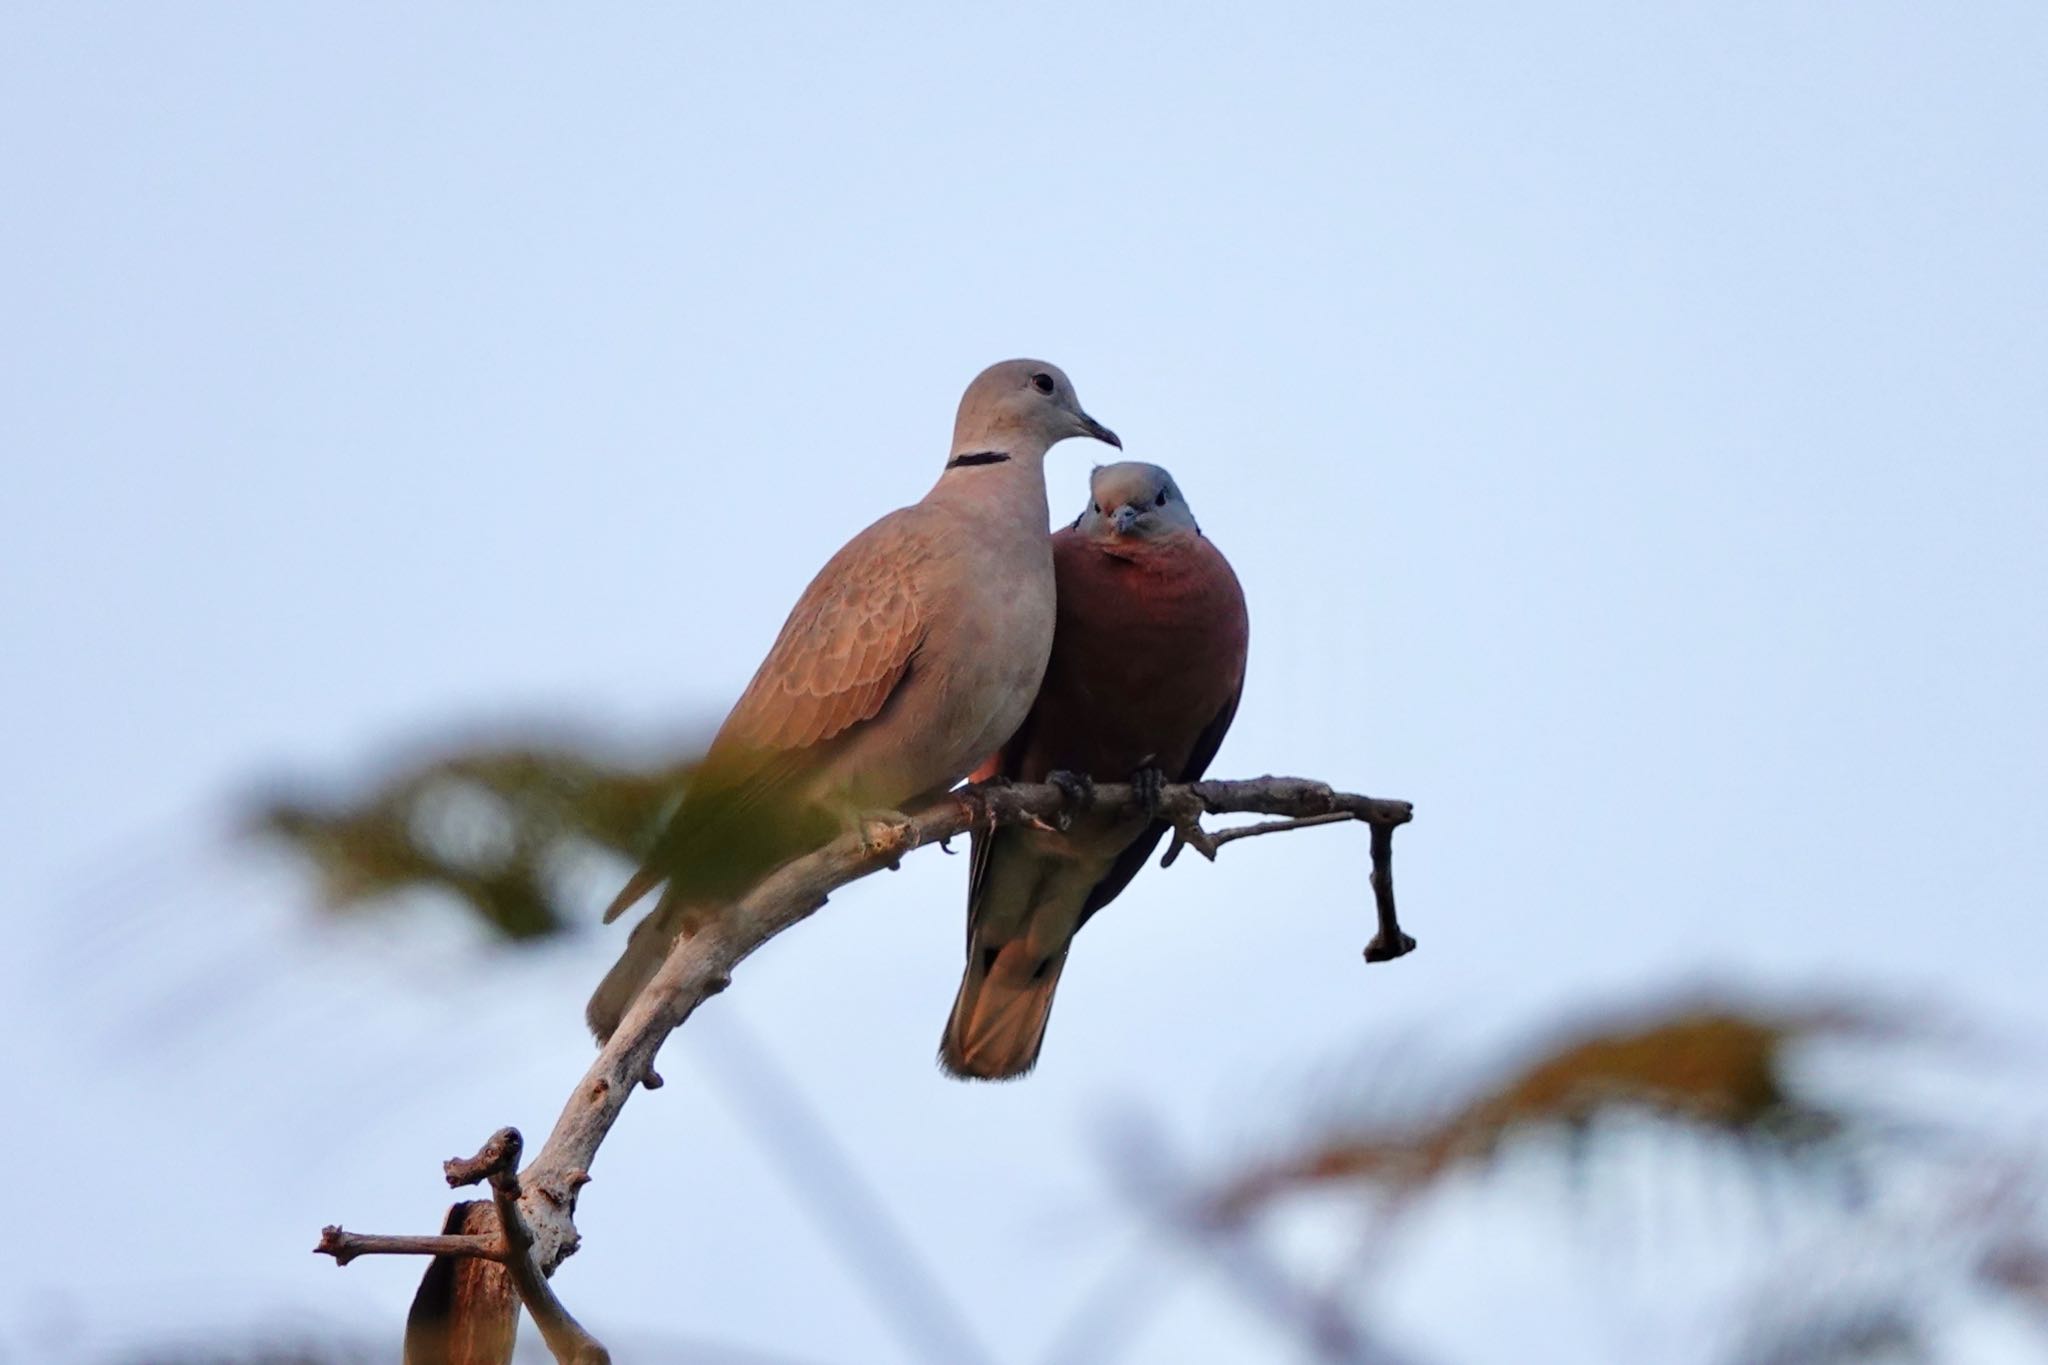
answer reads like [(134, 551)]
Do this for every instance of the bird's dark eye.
[(1042, 382), (1160, 501), (1096, 508)]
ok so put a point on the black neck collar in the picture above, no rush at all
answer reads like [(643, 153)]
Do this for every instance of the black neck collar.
[(977, 457)]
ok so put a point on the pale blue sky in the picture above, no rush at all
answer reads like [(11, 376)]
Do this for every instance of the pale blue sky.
[(1628, 422)]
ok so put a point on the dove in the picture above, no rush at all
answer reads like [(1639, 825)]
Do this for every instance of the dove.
[(910, 657), (1147, 665)]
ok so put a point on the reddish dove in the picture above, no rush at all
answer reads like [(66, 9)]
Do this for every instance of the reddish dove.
[(911, 656), (1147, 664)]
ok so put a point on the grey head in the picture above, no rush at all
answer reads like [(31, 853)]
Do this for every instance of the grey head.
[(1134, 501), (1021, 408)]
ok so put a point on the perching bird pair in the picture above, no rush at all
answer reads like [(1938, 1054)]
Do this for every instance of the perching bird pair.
[(952, 637)]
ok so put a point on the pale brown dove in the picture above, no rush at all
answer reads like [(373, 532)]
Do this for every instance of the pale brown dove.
[(913, 654)]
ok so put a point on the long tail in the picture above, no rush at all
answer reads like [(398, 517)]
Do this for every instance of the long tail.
[(998, 1020), (646, 948)]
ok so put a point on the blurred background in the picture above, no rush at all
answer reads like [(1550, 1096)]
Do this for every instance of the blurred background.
[(1629, 426)]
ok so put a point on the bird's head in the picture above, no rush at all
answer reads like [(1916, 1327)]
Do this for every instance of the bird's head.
[(1134, 501), (1022, 407)]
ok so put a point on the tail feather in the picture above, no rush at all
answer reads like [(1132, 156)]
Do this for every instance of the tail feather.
[(637, 886), (646, 949), (999, 1016)]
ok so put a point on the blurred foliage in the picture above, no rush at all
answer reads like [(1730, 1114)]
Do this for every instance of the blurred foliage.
[(278, 1352), (2018, 1265), (501, 828), (1717, 1068), (1955, 1219), (335, 1348), (1868, 1333), (496, 826)]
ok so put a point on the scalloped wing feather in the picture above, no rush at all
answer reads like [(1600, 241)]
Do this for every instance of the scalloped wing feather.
[(844, 648)]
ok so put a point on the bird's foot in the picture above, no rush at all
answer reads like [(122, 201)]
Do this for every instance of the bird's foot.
[(974, 797), (1150, 782), (1079, 791), (882, 832)]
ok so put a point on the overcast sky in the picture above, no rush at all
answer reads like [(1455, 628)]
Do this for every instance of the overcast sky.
[(1629, 424)]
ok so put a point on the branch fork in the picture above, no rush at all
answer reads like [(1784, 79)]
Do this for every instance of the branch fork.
[(536, 1208)]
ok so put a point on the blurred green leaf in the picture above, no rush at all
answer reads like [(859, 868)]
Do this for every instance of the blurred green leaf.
[(496, 826), (1718, 1068)]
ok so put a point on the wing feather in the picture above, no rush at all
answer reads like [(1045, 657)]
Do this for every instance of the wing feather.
[(848, 644), (844, 648)]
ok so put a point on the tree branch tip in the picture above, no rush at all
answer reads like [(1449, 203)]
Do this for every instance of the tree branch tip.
[(494, 1158), (345, 1246), (650, 1079), (333, 1242), (1380, 950)]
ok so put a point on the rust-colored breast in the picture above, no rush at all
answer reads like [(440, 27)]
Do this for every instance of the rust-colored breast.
[(1148, 653)]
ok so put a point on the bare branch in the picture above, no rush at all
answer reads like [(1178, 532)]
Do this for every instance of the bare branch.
[(1185, 811), (1231, 836), (498, 1162), (345, 1246), (537, 1207), (495, 1157), (1389, 943)]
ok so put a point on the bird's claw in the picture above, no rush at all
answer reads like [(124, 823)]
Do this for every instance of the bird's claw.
[(1078, 790), (1150, 785)]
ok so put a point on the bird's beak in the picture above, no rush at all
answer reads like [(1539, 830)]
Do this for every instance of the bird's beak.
[(1124, 518), (1099, 431)]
